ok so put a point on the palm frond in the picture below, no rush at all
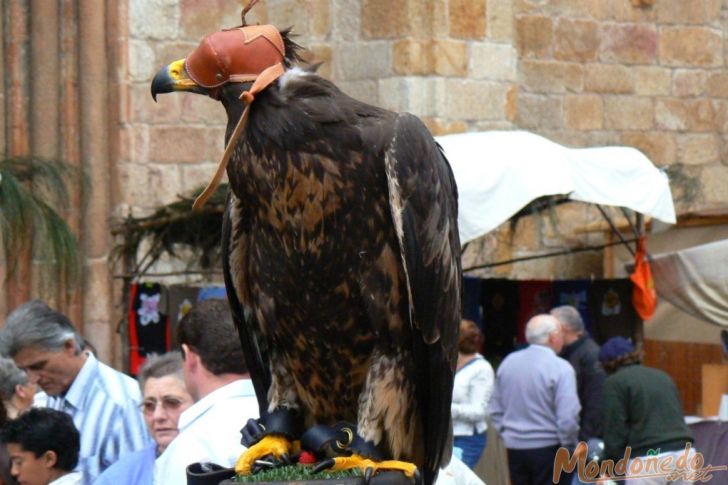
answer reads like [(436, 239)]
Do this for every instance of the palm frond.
[(31, 191), (15, 216)]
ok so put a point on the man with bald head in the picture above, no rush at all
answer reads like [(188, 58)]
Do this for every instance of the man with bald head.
[(535, 406)]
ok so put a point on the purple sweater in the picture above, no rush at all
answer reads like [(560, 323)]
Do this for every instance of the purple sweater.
[(535, 404)]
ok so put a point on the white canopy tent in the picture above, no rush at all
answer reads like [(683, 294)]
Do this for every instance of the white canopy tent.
[(695, 280), (500, 172)]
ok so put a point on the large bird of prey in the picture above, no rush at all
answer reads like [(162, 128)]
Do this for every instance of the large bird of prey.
[(341, 249)]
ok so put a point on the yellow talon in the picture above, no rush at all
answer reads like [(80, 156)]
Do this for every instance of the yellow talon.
[(269, 445), (358, 461)]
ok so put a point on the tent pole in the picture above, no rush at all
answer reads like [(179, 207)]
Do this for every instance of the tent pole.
[(614, 229), (549, 255), (635, 226)]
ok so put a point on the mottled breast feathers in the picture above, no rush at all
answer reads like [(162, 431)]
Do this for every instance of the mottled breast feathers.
[(332, 196)]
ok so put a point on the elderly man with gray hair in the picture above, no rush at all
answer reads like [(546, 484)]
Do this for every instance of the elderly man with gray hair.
[(535, 406), (582, 352), (103, 403)]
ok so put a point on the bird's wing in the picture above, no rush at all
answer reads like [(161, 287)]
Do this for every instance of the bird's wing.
[(423, 202), (234, 258)]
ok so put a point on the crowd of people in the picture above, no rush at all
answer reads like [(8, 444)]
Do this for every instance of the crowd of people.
[(562, 389), (67, 418), (92, 424)]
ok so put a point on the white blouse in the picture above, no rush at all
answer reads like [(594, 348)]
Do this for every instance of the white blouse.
[(470, 395)]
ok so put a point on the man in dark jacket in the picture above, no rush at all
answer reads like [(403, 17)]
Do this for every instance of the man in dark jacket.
[(642, 413), (583, 354)]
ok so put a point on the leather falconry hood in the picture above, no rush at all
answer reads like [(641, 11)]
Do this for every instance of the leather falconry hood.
[(240, 54), (243, 54)]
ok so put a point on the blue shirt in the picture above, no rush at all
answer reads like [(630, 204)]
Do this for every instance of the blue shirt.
[(535, 404), (133, 469), (104, 405)]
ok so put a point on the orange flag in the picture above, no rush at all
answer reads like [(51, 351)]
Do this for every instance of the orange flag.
[(644, 297)]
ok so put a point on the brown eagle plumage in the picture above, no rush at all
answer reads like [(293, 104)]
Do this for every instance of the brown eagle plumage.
[(342, 262)]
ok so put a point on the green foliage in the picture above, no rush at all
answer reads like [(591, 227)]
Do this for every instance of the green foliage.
[(295, 472), (31, 191), (684, 183), (174, 227)]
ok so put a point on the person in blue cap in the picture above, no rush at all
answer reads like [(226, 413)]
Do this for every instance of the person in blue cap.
[(642, 412)]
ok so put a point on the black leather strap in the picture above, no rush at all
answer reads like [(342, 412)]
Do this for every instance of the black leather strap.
[(367, 449), (208, 474), (326, 441), (340, 439), (283, 422), (251, 433)]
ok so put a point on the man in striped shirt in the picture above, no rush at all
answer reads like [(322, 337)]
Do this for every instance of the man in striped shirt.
[(103, 403)]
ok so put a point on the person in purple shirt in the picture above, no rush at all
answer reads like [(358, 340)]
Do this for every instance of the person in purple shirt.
[(535, 406)]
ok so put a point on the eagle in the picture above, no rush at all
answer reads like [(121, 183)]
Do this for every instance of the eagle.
[(341, 253)]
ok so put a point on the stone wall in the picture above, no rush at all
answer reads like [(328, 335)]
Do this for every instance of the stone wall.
[(607, 72), (172, 146), (594, 73), (453, 64), (581, 72)]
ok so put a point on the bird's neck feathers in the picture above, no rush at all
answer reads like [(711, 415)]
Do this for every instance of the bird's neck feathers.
[(230, 94), (291, 75)]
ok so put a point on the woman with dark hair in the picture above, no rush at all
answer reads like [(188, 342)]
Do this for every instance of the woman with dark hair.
[(473, 387), (5, 477)]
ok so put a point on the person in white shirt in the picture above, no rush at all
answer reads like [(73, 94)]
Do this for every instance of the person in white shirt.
[(472, 389), (43, 446), (457, 473), (103, 402), (216, 377)]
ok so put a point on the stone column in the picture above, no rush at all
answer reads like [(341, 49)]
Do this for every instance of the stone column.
[(95, 159), (44, 110), (69, 106), (3, 146), (44, 78), (18, 287)]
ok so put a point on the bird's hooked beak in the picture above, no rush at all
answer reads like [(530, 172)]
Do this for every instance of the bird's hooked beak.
[(174, 77)]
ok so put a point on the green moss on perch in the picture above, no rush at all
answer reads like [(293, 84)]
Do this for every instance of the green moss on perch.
[(295, 472)]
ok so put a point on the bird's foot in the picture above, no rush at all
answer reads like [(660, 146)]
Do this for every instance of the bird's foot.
[(368, 467), (270, 451)]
